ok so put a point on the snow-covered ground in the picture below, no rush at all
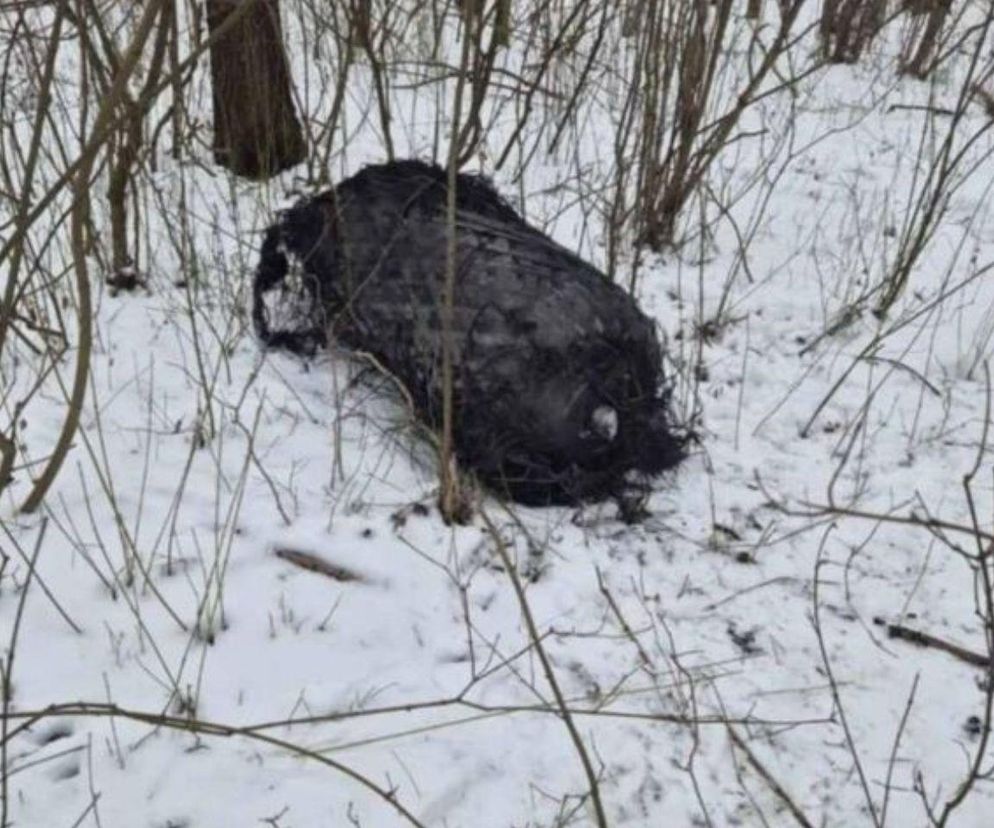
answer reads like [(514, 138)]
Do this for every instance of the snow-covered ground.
[(179, 659)]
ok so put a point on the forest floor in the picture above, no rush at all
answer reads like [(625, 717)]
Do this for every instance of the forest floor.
[(240, 606)]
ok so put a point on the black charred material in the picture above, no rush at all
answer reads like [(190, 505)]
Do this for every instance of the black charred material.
[(559, 389)]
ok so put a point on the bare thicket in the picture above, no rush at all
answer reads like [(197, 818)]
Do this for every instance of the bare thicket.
[(676, 122), (946, 148)]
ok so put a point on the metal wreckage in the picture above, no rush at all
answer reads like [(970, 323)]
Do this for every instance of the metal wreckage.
[(559, 390)]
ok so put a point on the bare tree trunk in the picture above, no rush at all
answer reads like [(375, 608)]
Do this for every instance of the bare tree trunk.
[(849, 26), (919, 64), (256, 130)]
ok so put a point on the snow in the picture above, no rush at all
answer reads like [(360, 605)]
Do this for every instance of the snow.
[(174, 665)]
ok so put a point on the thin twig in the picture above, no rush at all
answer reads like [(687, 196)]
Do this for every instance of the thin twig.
[(550, 675), (923, 639), (769, 779)]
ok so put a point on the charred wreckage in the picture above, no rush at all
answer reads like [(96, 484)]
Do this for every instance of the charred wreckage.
[(558, 383)]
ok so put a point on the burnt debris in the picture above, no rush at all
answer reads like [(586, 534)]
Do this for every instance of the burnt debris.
[(560, 395)]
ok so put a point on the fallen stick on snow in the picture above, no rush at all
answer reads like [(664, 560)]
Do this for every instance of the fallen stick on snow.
[(925, 640), (314, 563)]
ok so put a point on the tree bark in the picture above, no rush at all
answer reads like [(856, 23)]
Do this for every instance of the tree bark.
[(256, 130)]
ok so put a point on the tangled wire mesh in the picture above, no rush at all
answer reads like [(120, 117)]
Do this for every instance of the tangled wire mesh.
[(558, 382)]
